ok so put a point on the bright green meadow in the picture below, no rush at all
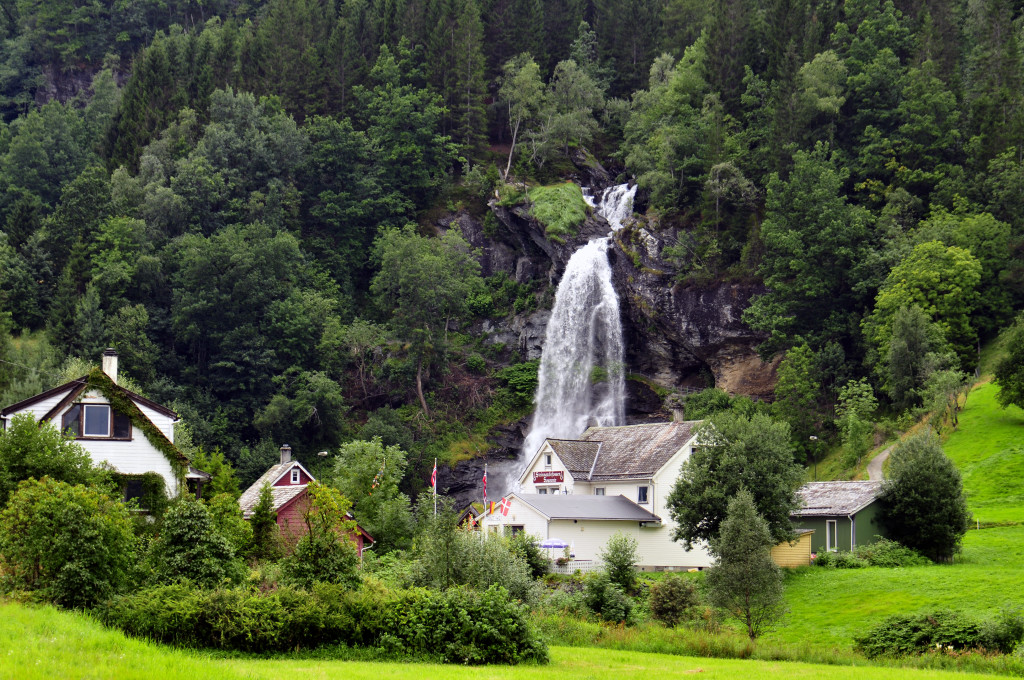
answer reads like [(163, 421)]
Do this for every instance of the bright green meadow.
[(41, 643)]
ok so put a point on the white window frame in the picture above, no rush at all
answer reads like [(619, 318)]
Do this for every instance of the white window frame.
[(547, 461), (542, 490), (295, 476), (85, 419), (831, 535), (599, 491), (647, 494)]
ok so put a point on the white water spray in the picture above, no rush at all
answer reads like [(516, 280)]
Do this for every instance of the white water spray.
[(582, 378)]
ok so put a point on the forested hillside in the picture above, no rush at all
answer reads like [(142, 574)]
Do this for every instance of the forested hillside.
[(251, 200)]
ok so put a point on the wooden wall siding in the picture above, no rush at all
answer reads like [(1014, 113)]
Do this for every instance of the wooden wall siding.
[(293, 527), (41, 408), (137, 456), (286, 480), (866, 525), (793, 555)]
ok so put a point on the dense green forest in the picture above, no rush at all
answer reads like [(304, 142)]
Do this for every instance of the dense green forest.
[(242, 197)]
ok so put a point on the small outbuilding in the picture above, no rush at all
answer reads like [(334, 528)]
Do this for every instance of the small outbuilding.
[(842, 515), (795, 554)]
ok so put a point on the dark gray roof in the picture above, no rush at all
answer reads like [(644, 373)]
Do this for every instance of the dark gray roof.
[(822, 499), (577, 456), (561, 506), (636, 451)]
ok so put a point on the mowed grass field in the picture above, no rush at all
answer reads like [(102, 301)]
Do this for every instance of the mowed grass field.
[(832, 606), (41, 643)]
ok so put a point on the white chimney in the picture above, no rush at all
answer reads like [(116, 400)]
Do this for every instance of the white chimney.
[(110, 363), (286, 454)]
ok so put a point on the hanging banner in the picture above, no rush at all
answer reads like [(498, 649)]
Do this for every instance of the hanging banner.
[(548, 477)]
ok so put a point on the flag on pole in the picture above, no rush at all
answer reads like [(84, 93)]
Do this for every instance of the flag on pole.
[(490, 508), (433, 478), (485, 485), (506, 503)]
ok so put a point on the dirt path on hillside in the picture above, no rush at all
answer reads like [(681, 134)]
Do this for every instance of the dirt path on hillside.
[(875, 466)]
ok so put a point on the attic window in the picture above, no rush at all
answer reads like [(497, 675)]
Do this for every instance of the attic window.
[(95, 421), (295, 475), (547, 459)]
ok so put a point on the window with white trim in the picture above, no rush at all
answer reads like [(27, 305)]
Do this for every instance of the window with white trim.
[(641, 494), (95, 421), (543, 490), (831, 535), (547, 460), (295, 475), (599, 491)]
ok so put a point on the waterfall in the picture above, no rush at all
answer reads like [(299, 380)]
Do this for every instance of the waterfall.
[(581, 381)]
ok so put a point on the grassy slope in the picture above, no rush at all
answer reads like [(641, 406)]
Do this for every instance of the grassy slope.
[(988, 448), (832, 606), (42, 644)]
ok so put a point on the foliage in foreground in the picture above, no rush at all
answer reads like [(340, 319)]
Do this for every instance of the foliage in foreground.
[(882, 553), (456, 626), (905, 634), (73, 544)]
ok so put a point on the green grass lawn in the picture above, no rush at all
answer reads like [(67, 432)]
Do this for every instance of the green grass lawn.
[(43, 644), (830, 606), (988, 447)]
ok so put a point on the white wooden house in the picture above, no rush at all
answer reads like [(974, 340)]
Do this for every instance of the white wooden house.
[(611, 479), (132, 443)]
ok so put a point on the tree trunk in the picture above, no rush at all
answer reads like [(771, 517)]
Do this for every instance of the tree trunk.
[(419, 388)]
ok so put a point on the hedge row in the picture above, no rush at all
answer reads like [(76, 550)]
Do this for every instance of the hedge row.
[(455, 626)]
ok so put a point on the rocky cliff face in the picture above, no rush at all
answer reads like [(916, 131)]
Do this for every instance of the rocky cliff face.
[(677, 337)]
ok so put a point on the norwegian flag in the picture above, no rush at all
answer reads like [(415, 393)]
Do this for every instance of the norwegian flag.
[(433, 478), (506, 503), (485, 487)]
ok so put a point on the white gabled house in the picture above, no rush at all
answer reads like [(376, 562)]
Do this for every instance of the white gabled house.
[(611, 479), (128, 432)]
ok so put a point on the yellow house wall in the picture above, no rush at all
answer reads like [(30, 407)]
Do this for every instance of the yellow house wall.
[(793, 555)]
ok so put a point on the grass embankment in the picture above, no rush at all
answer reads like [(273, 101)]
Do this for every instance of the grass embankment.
[(988, 447), (41, 643), (560, 208)]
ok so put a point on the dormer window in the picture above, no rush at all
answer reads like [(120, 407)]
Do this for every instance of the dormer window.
[(96, 421), (295, 475)]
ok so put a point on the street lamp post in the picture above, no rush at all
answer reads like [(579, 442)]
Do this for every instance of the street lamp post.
[(814, 452)]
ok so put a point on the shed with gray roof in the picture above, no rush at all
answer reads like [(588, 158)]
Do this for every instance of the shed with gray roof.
[(843, 515)]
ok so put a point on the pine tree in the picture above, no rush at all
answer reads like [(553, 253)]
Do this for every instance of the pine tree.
[(265, 534)]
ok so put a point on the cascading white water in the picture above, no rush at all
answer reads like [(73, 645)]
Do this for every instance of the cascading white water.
[(584, 333)]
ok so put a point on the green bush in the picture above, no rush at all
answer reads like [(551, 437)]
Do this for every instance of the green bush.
[(673, 600), (905, 634), (1005, 631), (525, 547), (476, 364), (191, 548), (73, 544), (456, 626), (322, 558), (840, 560), (606, 599), (619, 557), (886, 553)]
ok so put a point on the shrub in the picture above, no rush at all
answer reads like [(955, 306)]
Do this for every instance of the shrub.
[(904, 634), (456, 626), (30, 449), (265, 543), (74, 544), (840, 560), (322, 558), (606, 599), (886, 553), (673, 600), (524, 546), (619, 557), (560, 208), (189, 547), (1004, 631)]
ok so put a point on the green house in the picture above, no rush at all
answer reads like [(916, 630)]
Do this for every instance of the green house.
[(843, 515)]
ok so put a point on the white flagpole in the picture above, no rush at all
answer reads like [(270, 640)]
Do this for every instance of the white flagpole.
[(435, 486)]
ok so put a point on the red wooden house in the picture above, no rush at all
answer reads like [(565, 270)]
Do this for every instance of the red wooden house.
[(288, 481)]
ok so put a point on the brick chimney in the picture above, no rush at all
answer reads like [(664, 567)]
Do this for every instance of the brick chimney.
[(109, 363), (286, 454)]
